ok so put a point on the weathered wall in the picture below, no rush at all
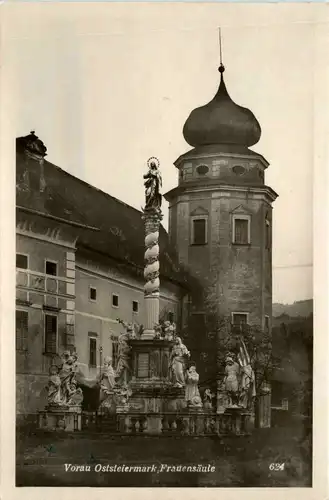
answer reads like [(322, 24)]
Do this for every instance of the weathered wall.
[(78, 317), (98, 318)]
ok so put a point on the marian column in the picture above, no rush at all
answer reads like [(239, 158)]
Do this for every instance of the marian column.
[(152, 218)]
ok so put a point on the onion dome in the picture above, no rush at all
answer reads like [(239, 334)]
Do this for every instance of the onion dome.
[(221, 121)]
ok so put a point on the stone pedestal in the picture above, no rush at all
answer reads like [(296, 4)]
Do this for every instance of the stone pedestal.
[(154, 424), (150, 360), (65, 418), (153, 395)]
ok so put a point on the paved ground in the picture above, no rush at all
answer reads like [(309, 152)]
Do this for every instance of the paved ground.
[(238, 461)]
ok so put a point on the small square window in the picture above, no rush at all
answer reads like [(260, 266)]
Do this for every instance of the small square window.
[(135, 306), (115, 300), (92, 293), (199, 231), (239, 319), (51, 268), (21, 261)]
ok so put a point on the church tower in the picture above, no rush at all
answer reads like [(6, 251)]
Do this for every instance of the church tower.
[(220, 214)]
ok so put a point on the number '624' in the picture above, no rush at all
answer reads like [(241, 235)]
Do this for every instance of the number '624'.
[(276, 466)]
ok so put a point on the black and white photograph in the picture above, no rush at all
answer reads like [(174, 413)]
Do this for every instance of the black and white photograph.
[(164, 160)]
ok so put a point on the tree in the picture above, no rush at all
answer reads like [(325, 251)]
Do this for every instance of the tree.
[(210, 336)]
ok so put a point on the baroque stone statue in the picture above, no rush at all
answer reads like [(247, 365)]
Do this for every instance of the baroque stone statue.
[(207, 399), (192, 394), (231, 379), (178, 356), (55, 396), (239, 381), (153, 183), (107, 379), (123, 366), (62, 386)]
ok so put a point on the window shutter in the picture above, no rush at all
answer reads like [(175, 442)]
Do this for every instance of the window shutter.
[(50, 334), (22, 319), (92, 352)]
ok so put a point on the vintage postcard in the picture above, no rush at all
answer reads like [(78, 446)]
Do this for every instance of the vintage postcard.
[(160, 197)]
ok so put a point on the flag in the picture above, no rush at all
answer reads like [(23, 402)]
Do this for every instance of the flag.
[(243, 356)]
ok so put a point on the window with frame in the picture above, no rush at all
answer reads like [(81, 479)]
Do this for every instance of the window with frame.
[(92, 293), (51, 268), (115, 300), (50, 334), (135, 306), (115, 352), (92, 352), (241, 230), (239, 319), (22, 326), (199, 231), (21, 261), (267, 234)]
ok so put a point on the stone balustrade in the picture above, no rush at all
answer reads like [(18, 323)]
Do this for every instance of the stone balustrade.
[(189, 424)]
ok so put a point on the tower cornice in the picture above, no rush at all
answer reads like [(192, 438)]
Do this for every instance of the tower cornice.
[(221, 190), (195, 154)]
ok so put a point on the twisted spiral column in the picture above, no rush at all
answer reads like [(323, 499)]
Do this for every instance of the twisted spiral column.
[(151, 271)]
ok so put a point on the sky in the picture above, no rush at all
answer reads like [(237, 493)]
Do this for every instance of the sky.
[(106, 86)]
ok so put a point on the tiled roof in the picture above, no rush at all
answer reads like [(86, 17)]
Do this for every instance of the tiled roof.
[(120, 227)]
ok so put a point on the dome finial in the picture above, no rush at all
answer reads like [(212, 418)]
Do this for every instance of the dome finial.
[(221, 68)]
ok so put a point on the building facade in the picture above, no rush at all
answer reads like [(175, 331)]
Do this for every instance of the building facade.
[(220, 214), (79, 267)]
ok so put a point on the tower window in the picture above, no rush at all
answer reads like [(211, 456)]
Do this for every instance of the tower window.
[(115, 300), (238, 169), (202, 169), (241, 230), (199, 231), (50, 334), (267, 234), (92, 351), (21, 261), (22, 322), (135, 306), (239, 318), (267, 324), (92, 293), (51, 268)]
